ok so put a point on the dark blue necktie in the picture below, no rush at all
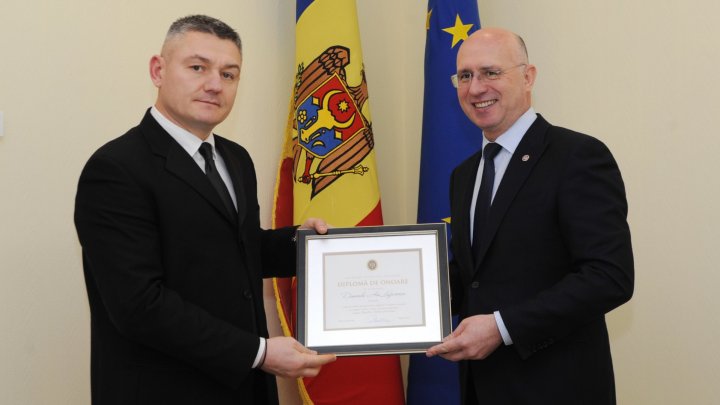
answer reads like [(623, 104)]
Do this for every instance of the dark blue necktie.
[(215, 179), (484, 197)]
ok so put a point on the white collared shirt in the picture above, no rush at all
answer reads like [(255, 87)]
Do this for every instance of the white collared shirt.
[(191, 144), (509, 142)]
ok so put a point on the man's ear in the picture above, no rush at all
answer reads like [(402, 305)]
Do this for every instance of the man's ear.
[(530, 75), (157, 70)]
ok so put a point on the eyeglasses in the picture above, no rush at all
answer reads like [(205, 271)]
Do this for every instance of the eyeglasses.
[(465, 78)]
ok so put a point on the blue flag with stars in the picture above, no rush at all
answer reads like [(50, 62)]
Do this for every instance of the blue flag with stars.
[(448, 138)]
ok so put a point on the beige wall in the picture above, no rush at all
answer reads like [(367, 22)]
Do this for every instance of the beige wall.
[(638, 75)]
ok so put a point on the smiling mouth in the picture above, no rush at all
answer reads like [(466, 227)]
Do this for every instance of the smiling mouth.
[(484, 104)]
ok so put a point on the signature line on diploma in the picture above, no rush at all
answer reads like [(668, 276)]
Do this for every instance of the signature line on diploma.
[(379, 294)]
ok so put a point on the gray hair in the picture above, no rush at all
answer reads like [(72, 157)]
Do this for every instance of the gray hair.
[(208, 25)]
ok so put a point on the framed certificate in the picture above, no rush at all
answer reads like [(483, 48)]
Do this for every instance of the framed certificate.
[(373, 290)]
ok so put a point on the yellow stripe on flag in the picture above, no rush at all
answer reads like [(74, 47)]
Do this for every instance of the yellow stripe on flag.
[(328, 170)]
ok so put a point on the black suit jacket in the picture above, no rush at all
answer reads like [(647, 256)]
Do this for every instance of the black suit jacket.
[(556, 257), (174, 282)]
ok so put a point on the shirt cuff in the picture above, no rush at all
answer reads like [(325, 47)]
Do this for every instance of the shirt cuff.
[(260, 354), (503, 330)]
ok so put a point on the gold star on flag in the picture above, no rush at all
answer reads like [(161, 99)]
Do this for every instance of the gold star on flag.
[(459, 31)]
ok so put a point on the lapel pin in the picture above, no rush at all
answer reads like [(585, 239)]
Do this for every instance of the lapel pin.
[(525, 158)]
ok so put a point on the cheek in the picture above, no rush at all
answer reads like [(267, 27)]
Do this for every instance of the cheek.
[(463, 98), (230, 94), (466, 106)]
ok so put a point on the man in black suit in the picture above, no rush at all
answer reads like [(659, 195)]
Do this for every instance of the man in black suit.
[(173, 253), (544, 256)]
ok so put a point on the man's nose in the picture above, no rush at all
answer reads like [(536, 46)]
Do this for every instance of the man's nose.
[(213, 83), (477, 85)]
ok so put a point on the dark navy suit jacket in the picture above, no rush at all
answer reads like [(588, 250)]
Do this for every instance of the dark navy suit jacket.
[(556, 258)]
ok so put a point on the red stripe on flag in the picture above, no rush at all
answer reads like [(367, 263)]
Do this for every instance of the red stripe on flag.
[(332, 387), (374, 217), (284, 195)]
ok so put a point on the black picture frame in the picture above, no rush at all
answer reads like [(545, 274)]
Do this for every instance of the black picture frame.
[(377, 310)]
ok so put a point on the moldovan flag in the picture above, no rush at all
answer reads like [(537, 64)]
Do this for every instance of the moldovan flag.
[(328, 170), (448, 138)]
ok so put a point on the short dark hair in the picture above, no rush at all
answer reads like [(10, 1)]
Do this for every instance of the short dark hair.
[(208, 25)]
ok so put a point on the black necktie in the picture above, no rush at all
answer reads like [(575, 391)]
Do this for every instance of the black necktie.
[(215, 179), (484, 197)]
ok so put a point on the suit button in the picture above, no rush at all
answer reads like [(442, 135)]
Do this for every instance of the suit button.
[(475, 284), (247, 294)]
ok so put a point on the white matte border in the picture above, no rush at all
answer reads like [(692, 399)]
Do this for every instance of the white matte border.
[(319, 245)]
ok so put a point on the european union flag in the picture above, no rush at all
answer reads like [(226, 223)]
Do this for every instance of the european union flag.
[(448, 138)]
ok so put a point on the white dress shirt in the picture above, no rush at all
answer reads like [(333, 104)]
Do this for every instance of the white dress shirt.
[(509, 142), (191, 144)]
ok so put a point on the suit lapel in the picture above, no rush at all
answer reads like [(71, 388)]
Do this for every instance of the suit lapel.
[(521, 164), (466, 177), (180, 164), (236, 175)]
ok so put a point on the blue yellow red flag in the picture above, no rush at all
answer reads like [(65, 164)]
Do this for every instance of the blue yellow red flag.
[(448, 138), (328, 170)]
